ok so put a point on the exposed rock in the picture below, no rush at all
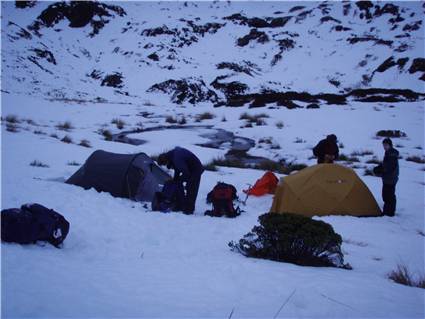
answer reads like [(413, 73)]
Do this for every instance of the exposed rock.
[(229, 88), (153, 57), (268, 22), (254, 34), (96, 74), (388, 8), (113, 80), (45, 54), (192, 90), (25, 4), (413, 26), (354, 40), (296, 8), (246, 67), (418, 65), (313, 106), (329, 18), (340, 28), (390, 62), (78, 13), (210, 28), (365, 7)]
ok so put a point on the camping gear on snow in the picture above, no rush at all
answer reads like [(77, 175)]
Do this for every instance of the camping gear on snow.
[(170, 199), (222, 197), (265, 185), (324, 189), (134, 176), (33, 222)]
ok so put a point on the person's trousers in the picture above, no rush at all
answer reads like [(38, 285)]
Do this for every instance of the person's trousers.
[(390, 201), (192, 188)]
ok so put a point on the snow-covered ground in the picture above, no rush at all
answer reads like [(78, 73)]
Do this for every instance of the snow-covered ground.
[(122, 260)]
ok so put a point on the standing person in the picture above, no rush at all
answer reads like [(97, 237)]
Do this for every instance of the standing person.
[(327, 150), (389, 171), (187, 168)]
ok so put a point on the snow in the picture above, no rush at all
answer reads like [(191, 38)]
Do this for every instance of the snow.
[(122, 260)]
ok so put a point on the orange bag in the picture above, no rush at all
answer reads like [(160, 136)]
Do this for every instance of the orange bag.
[(265, 185)]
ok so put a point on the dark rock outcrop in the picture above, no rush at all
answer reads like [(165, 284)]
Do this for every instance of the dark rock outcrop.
[(254, 34), (113, 80), (192, 90), (78, 13)]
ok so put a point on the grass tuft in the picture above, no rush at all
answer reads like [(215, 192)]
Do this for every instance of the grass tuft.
[(37, 163), (66, 139), (119, 123), (403, 276), (65, 126)]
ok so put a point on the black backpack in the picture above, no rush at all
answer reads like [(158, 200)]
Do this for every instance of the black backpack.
[(221, 197), (33, 222), (171, 198)]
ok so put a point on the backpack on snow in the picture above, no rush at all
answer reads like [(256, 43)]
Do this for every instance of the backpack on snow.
[(221, 197), (33, 222), (171, 198)]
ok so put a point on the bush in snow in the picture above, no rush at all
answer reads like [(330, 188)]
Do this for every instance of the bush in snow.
[(416, 159), (119, 123), (295, 239), (403, 276), (66, 139), (204, 116), (65, 126), (85, 143), (391, 133)]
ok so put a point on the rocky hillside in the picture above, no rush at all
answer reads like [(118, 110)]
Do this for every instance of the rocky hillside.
[(221, 53)]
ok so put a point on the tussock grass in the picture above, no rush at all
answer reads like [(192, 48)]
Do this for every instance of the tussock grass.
[(280, 125), (119, 123), (13, 119), (403, 276), (85, 143), (73, 163), (416, 159), (204, 116), (361, 153), (66, 139), (37, 163), (107, 135), (65, 126)]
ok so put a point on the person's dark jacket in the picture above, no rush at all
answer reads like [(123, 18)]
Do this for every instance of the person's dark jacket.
[(390, 168), (325, 147), (184, 163)]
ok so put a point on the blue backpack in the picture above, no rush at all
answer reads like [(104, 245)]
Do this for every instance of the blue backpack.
[(171, 198), (33, 222)]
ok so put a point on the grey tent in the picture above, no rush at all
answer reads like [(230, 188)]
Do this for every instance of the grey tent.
[(134, 176)]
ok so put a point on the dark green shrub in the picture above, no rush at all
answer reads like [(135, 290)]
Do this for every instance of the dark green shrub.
[(416, 159), (391, 133), (293, 238)]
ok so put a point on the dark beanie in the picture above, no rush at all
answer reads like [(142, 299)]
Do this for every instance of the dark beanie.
[(332, 137), (387, 141)]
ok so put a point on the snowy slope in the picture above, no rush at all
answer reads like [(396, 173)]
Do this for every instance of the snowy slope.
[(122, 260), (191, 41)]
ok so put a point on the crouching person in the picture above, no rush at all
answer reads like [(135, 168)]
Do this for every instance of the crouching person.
[(187, 168), (327, 150)]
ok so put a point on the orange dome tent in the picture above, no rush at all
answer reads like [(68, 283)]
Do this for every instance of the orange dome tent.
[(324, 189)]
